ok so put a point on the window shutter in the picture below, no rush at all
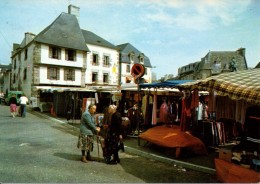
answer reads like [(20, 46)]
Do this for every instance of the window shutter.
[(98, 59), (58, 74), (48, 73), (50, 52), (73, 75), (66, 55), (59, 53), (65, 74), (75, 56)]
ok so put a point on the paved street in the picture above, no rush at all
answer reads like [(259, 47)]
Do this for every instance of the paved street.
[(36, 149)]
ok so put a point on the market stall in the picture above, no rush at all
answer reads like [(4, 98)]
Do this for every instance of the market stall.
[(165, 118), (235, 96)]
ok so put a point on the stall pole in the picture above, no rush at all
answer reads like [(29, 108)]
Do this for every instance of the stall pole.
[(138, 110)]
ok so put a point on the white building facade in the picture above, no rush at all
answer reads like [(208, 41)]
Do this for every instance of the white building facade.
[(65, 57)]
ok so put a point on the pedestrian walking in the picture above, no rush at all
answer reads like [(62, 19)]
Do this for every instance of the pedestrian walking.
[(87, 130), (114, 136), (13, 105), (23, 102)]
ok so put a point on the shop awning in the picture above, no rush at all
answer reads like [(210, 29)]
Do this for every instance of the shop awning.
[(51, 89), (236, 85), (165, 84)]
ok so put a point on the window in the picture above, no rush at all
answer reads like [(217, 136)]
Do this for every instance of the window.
[(106, 61), (128, 68), (131, 56), (25, 74), (55, 52), (14, 79), (105, 78), (70, 55), (25, 54), (95, 59), (141, 58), (145, 71), (69, 74), (14, 64), (53, 73), (94, 77)]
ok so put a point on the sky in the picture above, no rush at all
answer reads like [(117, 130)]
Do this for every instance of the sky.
[(172, 33)]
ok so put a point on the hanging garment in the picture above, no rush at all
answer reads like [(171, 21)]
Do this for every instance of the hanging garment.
[(164, 113), (186, 114)]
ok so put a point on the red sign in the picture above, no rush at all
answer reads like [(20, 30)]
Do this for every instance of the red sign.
[(137, 71)]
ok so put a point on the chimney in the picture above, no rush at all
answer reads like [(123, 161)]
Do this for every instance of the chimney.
[(29, 37), (242, 51), (73, 10)]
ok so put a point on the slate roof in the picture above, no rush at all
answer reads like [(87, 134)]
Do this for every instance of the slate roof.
[(126, 48), (6, 67), (92, 38), (258, 65), (64, 32)]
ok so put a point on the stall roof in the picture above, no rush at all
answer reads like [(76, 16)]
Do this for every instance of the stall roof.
[(51, 89), (238, 85), (165, 84)]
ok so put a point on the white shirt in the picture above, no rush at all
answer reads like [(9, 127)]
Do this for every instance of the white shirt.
[(23, 100)]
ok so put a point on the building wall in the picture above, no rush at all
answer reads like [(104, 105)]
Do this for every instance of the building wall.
[(46, 61), (62, 62), (111, 70), (20, 65)]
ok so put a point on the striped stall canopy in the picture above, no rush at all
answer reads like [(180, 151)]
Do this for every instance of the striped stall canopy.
[(237, 85)]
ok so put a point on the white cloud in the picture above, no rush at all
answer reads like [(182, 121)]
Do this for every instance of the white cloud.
[(193, 14)]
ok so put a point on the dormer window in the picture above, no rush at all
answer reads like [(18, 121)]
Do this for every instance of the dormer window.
[(141, 58), (131, 56)]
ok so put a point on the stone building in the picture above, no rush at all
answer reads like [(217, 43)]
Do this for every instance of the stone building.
[(214, 63), (64, 57)]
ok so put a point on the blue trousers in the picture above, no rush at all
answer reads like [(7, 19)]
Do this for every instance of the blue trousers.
[(23, 110)]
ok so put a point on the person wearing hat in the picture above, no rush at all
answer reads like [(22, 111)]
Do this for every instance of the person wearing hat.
[(114, 136)]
